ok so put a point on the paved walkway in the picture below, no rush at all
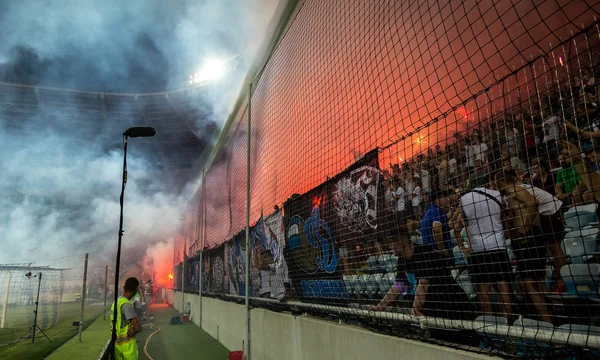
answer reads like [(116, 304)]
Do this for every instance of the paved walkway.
[(183, 341), (171, 342)]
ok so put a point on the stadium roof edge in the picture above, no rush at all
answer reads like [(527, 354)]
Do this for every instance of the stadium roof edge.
[(285, 11), (100, 92)]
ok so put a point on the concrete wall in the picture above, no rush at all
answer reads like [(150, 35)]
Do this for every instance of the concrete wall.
[(276, 336)]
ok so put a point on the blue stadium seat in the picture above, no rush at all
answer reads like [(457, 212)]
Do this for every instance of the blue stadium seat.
[(416, 239), (387, 282), (580, 329), (373, 285), (382, 263), (372, 262), (459, 257), (581, 279), (485, 330), (581, 245), (533, 324), (532, 349), (464, 236), (509, 250), (392, 264), (361, 284), (412, 280), (464, 281), (578, 217), (351, 284)]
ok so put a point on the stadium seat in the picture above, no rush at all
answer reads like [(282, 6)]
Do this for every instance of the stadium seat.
[(392, 264), (491, 320), (452, 238), (383, 261), (387, 282), (464, 236), (464, 281), (549, 276), (485, 326), (412, 280), (373, 285), (372, 262), (580, 329), (581, 279), (533, 324), (416, 239), (361, 284), (459, 257), (581, 245), (351, 281), (510, 251), (528, 348), (578, 217)]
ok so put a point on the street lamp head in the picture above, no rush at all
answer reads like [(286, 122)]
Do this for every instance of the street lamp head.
[(140, 131)]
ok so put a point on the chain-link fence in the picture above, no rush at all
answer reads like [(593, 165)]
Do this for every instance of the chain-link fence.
[(428, 169), (49, 297)]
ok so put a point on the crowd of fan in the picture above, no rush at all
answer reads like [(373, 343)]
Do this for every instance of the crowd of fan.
[(507, 183)]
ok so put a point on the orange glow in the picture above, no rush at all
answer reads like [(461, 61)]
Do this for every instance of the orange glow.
[(316, 202), (170, 276), (341, 101)]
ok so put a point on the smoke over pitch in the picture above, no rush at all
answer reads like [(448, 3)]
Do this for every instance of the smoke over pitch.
[(59, 189)]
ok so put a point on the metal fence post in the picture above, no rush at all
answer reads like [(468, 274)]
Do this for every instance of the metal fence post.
[(247, 342), (183, 280), (105, 290), (5, 302), (201, 241), (83, 291)]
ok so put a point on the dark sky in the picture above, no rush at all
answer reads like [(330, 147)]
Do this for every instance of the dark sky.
[(130, 46)]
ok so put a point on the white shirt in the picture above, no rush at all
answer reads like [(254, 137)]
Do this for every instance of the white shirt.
[(389, 200), (484, 220), (477, 152), (401, 202), (425, 178), (548, 204), (416, 198), (452, 166), (551, 130), (480, 152)]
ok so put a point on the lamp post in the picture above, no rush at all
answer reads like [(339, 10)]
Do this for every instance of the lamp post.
[(138, 131)]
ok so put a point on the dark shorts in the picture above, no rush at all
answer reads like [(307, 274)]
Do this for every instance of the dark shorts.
[(429, 264), (531, 254), (553, 227), (490, 267), (401, 217)]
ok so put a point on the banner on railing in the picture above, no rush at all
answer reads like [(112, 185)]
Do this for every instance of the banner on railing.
[(216, 281), (235, 251), (268, 242), (340, 213)]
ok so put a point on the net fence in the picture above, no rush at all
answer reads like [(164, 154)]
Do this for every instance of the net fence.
[(59, 303), (427, 169)]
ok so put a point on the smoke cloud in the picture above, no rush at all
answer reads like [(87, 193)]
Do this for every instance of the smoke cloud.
[(60, 189)]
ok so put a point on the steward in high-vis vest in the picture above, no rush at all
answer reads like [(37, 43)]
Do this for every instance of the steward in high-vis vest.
[(127, 322)]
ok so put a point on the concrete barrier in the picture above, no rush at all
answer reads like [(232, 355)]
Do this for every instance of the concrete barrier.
[(276, 336)]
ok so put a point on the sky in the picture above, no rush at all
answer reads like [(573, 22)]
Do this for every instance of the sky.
[(59, 191)]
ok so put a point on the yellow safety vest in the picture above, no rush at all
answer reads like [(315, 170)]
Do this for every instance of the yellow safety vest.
[(125, 347)]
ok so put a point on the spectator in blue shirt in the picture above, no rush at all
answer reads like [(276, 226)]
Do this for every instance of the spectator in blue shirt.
[(431, 261)]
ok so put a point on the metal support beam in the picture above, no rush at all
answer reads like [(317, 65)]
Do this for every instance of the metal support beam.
[(248, 252)]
